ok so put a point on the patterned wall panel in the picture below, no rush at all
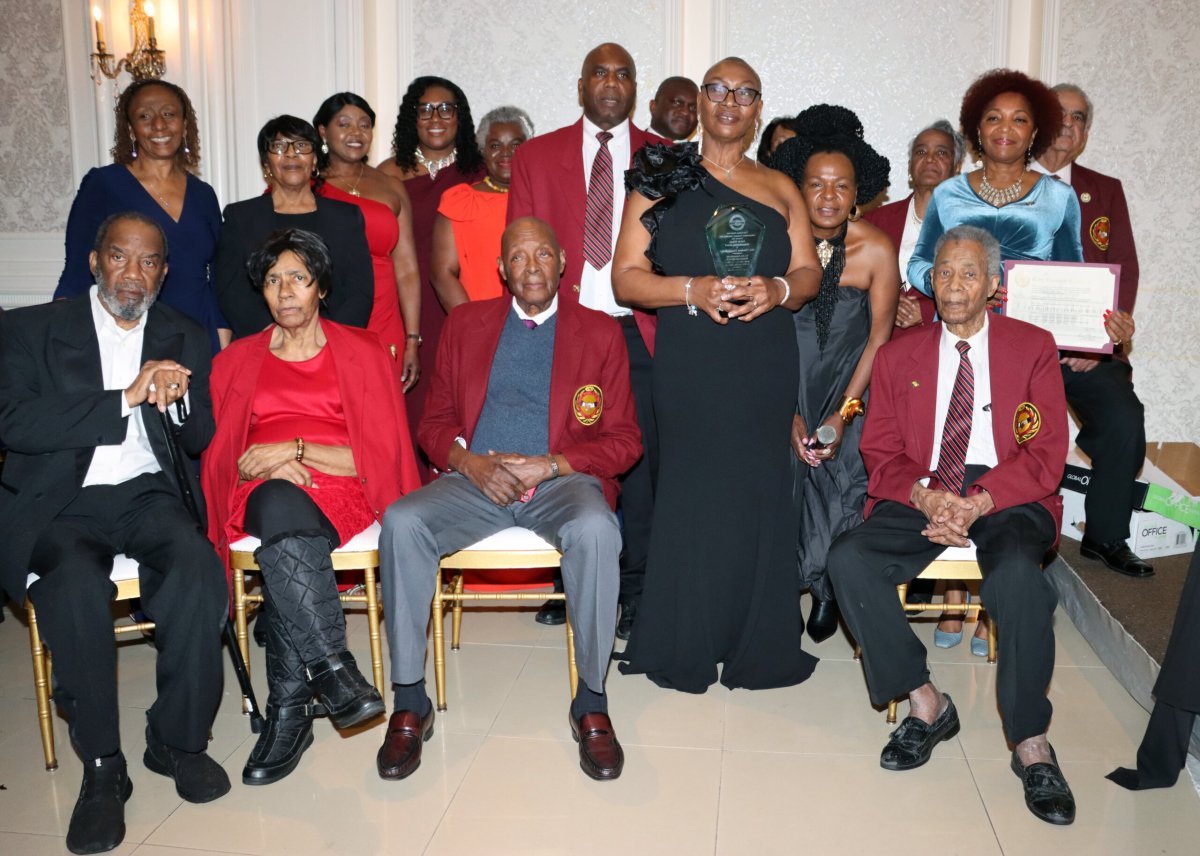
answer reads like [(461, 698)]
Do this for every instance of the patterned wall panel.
[(35, 169), (1138, 64)]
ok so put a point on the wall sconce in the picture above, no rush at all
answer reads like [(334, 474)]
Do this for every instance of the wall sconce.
[(144, 61)]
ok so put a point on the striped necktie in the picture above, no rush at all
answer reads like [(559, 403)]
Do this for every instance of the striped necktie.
[(956, 434), (597, 216)]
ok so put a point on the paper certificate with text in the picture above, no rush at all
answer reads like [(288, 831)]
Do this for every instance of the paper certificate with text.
[(1068, 299)]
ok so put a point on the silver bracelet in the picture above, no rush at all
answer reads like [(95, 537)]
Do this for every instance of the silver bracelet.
[(787, 289), (687, 297), (554, 472)]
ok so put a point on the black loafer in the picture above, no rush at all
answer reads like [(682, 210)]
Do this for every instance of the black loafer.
[(98, 821), (822, 620), (553, 612), (198, 778), (625, 622), (1047, 793), (1118, 556), (912, 743), (279, 748)]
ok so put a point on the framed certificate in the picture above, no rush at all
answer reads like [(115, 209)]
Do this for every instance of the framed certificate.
[(1068, 299)]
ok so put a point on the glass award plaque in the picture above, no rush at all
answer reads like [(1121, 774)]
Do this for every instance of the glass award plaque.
[(735, 238)]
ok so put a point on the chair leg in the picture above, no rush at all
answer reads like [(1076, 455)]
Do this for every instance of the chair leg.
[(857, 653), (41, 684), (456, 618), (572, 670), (891, 714), (239, 615), (373, 627), (439, 643), (991, 658)]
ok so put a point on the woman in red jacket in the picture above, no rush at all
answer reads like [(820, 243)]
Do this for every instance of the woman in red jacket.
[(311, 446)]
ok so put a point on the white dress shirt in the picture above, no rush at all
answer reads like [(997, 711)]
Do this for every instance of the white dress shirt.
[(120, 362), (1064, 174), (541, 319), (981, 449), (595, 286), (908, 241)]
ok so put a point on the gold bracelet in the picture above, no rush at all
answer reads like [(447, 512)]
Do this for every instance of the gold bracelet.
[(849, 408), (299, 450)]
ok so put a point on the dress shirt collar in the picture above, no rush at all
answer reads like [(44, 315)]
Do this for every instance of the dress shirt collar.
[(977, 341), (540, 319), (619, 132), (106, 324), (1064, 174)]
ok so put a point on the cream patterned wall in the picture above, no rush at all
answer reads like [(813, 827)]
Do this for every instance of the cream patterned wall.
[(1138, 63)]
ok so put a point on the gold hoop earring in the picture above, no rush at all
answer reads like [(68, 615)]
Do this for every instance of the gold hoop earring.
[(854, 213)]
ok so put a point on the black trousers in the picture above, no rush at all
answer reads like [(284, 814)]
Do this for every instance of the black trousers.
[(1113, 434), (868, 562), (637, 485), (183, 590)]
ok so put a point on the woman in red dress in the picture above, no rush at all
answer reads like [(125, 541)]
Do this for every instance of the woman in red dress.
[(346, 124), (310, 447)]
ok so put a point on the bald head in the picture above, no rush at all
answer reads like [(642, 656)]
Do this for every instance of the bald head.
[(531, 263), (735, 62), (607, 85)]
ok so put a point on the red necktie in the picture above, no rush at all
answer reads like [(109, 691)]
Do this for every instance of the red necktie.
[(597, 216), (956, 434)]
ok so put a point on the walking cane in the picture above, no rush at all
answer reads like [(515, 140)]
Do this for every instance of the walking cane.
[(179, 464)]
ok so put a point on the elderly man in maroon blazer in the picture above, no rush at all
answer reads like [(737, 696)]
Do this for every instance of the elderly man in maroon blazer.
[(530, 419), (965, 442), (574, 179), (1100, 389)]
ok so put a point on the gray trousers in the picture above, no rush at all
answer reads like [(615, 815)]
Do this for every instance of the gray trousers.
[(451, 513)]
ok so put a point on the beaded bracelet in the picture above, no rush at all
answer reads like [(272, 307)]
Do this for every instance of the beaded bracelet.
[(787, 289), (687, 297)]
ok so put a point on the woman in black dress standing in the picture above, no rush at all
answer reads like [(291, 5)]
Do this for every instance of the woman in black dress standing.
[(721, 586)]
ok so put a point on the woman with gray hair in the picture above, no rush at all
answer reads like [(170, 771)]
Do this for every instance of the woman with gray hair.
[(934, 155), (470, 218)]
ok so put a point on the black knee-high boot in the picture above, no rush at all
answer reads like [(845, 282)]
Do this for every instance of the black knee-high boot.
[(298, 578)]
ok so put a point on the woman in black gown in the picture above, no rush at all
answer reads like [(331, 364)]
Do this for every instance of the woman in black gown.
[(837, 334), (721, 586)]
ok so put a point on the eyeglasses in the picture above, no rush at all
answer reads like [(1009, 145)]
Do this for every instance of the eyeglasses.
[(280, 147), (743, 96), (445, 109)]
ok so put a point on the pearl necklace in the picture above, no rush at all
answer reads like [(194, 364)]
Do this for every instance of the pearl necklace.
[(433, 166), (487, 179), (998, 197), (728, 171)]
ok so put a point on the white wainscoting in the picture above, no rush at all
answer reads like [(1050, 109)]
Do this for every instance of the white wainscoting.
[(32, 262)]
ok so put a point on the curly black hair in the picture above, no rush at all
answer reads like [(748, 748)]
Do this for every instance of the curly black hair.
[(188, 155), (404, 137), (832, 128), (1043, 101)]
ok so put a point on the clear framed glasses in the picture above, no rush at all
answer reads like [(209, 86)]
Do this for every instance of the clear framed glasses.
[(743, 96), (280, 147), (445, 109)]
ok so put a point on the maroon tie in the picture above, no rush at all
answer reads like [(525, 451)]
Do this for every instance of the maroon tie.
[(529, 322), (956, 434), (597, 216)]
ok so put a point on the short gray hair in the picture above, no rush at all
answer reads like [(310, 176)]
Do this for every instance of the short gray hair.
[(985, 239), (944, 127), (503, 114), (1078, 90)]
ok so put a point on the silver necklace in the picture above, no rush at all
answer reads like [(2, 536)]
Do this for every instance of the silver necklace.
[(728, 171), (433, 166), (998, 197)]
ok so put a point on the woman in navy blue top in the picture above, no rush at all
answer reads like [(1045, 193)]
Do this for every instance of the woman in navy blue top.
[(156, 152)]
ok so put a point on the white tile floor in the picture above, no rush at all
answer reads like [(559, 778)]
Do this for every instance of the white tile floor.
[(780, 771)]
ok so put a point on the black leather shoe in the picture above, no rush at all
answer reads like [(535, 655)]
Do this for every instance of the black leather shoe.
[(198, 778), (1047, 793), (553, 612), (1118, 556), (344, 692), (400, 753), (822, 620), (98, 821), (279, 747), (912, 743), (625, 622)]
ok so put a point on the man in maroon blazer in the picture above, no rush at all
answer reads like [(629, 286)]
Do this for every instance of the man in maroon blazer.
[(965, 442), (1100, 389), (574, 179), (530, 418)]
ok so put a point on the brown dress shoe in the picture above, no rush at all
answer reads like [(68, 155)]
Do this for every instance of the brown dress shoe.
[(400, 753), (600, 754)]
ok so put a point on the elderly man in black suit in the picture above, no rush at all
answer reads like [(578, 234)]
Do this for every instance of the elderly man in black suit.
[(87, 478)]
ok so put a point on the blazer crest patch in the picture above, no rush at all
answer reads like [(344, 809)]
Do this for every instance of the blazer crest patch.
[(588, 403), (1027, 421), (1098, 232)]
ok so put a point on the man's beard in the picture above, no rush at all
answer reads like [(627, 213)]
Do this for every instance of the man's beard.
[(121, 310)]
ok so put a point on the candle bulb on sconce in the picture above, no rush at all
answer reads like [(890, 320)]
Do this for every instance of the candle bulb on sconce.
[(150, 23), (144, 61), (99, 29)]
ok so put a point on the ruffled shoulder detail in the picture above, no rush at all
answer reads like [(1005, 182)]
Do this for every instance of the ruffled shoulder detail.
[(661, 170)]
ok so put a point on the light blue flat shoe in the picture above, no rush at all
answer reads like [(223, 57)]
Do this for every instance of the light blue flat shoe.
[(946, 639), (979, 647)]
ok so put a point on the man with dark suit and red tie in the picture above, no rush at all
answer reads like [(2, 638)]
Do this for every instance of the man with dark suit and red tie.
[(1100, 389), (965, 442), (574, 179), (530, 419)]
